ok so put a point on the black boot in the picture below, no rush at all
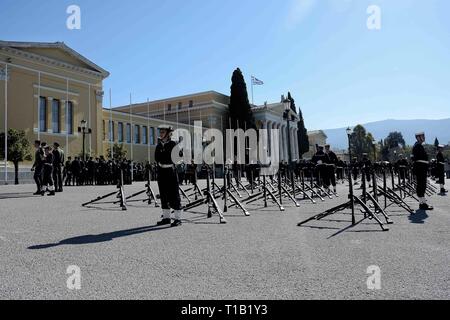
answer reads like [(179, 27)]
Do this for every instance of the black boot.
[(426, 207), (51, 193), (443, 191), (176, 223), (164, 222)]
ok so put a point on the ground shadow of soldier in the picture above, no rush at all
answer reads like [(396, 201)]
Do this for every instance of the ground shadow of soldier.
[(418, 217), (104, 237)]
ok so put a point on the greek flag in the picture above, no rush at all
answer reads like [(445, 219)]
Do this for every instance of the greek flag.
[(257, 82)]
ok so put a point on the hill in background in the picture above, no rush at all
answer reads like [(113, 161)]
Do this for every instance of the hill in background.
[(433, 129)]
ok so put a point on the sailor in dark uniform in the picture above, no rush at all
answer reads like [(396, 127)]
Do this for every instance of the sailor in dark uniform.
[(167, 177), (402, 166), (440, 172), (320, 159), (366, 167), (331, 167), (421, 163)]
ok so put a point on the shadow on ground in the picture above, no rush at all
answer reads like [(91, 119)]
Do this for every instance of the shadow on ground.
[(104, 237)]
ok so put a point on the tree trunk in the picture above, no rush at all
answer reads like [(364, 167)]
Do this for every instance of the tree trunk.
[(16, 173)]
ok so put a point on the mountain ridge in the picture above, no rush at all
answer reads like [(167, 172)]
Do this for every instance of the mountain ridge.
[(439, 128)]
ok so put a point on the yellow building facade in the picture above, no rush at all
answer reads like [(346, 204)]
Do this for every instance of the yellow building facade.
[(48, 89)]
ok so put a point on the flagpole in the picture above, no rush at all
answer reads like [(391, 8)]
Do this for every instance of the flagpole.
[(148, 129), (252, 92), (6, 124), (132, 142), (110, 125)]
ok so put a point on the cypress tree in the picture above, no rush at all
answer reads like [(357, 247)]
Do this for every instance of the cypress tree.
[(302, 133), (239, 107)]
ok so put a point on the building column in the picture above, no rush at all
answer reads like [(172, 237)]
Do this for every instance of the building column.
[(49, 115), (63, 117)]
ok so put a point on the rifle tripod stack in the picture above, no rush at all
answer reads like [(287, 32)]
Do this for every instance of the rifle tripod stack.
[(119, 195), (207, 198), (353, 202), (151, 197)]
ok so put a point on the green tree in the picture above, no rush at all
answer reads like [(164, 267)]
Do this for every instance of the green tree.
[(18, 149), (293, 106), (240, 112), (394, 140), (361, 142), (119, 152), (302, 133)]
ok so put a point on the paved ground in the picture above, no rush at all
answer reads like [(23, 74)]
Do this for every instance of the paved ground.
[(266, 256)]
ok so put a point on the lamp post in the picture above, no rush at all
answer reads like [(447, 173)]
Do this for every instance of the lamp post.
[(349, 134), (84, 130)]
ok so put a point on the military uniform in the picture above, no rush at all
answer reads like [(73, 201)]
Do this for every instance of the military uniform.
[(366, 167), (331, 168), (321, 159), (168, 179), (37, 167), (440, 169), (421, 163), (47, 181), (58, 162)]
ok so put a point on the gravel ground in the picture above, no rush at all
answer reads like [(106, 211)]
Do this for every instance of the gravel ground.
[(122, 255)]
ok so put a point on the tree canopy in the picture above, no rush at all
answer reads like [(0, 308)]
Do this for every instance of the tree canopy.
[(18, 149), (240, 112), (361, 142)]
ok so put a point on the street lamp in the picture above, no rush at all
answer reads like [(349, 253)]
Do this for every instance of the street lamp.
[(84, 130), (349, 135)]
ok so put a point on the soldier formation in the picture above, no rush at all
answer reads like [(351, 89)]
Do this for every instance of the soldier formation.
[(52, 171)]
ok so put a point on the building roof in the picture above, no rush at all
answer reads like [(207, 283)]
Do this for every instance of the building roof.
[(187, 96), (55, 45)]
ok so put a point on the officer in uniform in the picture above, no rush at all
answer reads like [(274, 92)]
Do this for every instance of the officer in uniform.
[(421, 163), (440, 172), (37, 166), (47, 182), (167, 177), (58, 163)]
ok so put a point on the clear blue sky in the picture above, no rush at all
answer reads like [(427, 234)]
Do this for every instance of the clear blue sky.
[(338, 71)]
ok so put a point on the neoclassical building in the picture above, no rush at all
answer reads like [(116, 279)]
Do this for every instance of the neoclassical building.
[(211, 108), (49, 89)]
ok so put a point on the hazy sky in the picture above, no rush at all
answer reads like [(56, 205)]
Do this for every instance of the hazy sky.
[(340, 72)]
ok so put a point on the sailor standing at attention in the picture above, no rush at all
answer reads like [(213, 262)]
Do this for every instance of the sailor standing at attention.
[(421, 164), (167, 177)]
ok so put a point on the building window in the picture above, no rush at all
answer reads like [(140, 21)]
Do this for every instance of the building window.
[(104, 130), (42, 114), (120, 132), (137, 134), (180, 105), (69, 117), (144, 135), (191, 103), (111, 131), (128, 133), (56, 116), (169, 107), (152, 136)]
